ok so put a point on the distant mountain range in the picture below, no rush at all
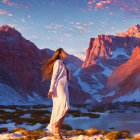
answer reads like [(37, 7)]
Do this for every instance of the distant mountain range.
[(98, 79), (104, 54)]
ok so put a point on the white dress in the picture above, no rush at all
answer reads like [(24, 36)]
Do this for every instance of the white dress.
[(60, 96)]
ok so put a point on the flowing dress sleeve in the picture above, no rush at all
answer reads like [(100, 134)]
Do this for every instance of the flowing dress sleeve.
[(54, 75)]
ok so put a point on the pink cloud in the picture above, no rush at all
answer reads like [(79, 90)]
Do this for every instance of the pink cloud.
[(4, 12), (111, 14), (90, 23), (10, 15), (89, 2), (15, 4), (28, 16), (100, 4), (53, 26), (85, 24), (67, 35), (131, 7), (123, 9), (79, 27)]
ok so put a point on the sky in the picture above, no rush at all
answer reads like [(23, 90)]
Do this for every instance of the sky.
[(68, 23)]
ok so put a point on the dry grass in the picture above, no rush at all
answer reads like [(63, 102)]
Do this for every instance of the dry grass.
[(66, 127), (37, 116), (98, 109), (75, 113), (118, 135), (89, 132), (91, 115), (36, 134), (29, 134), (3, 129)]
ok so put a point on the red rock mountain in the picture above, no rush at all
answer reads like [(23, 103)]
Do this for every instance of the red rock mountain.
[(20, 74), (131, 32), (110, 49), (104, 54), (124, 80)]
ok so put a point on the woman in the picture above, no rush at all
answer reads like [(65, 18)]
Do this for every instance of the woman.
[(59, 73)]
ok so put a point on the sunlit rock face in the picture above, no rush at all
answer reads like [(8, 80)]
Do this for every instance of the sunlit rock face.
[(104, 54), (134, 31), (112, 49), (124, 81)]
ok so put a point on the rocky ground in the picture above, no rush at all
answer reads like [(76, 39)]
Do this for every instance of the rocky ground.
[(29, 122), (77, 134)]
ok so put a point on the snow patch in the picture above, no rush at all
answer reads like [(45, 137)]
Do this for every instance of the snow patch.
[(99, 97), (77, 72), (100, 85), (85, 87), (107, 71), (9, 96), (11, 135), (135, 96), (119, 51)]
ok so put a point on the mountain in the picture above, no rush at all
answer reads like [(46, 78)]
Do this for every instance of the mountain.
[(131, 32), (92, 80), (20, 71), (104, 54), (124, 81)]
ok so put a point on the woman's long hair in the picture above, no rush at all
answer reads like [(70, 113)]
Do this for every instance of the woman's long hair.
[(47, 67)]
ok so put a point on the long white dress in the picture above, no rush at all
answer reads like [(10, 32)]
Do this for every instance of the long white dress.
[(60, 96)]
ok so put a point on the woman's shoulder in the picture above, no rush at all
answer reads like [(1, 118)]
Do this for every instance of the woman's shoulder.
[(58, 61)]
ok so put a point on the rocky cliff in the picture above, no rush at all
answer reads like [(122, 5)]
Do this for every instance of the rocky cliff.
[(20, 74)]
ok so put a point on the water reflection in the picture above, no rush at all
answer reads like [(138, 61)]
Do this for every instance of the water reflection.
[(128, 120)]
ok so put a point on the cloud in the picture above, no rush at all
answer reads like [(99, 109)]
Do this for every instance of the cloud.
[(4, 12), (60, 39), (68, 35), (71, 22), (81, 56), (85, 24), (129, 7), (79, 27), (54, 31), (111, 14), (33, 37), (78, 23), (13, 25), (90, 23), (53, 27), (7, 2), (10, 15), (23, 20), (21, 28), (101, 4), (28, 16)]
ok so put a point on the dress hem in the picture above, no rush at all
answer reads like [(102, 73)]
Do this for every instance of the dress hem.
[(51, 127)]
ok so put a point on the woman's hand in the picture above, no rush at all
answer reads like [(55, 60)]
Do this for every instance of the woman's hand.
[(49, 94), (69, 75)]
